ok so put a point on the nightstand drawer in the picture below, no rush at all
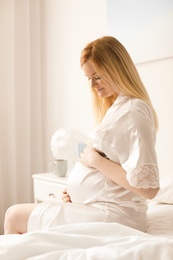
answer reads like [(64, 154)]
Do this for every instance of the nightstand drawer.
[(45, 189)]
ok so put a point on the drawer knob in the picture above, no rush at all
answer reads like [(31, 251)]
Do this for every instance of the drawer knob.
[(51, 195)]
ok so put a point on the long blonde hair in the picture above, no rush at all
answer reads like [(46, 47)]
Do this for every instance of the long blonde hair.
[(115, 66)]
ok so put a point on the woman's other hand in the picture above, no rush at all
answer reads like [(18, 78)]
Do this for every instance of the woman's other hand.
[(65, 196), (90, 157)]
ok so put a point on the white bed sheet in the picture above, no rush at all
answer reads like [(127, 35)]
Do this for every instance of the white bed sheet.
[(88, 241)]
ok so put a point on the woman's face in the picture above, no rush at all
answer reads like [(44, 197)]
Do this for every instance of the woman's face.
[(103, 89)]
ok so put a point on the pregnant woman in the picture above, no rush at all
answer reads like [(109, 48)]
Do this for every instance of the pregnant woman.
[(118, 171)]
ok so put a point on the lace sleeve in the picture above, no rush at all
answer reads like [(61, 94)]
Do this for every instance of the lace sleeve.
[(144, 176)]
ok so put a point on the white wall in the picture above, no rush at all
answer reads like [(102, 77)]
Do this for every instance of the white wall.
[(67, 26), (144, 27)]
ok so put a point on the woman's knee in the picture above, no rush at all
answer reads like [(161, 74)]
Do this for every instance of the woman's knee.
[(16, 218), (11, 216)]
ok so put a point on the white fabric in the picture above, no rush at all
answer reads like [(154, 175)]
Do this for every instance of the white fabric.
[(99, 241), (165, 194), (126, 136), (160, 219)]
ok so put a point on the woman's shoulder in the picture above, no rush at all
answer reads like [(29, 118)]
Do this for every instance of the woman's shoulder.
[(139, 103), (132, 110), (141, 107), (127, 103), (133, 102)]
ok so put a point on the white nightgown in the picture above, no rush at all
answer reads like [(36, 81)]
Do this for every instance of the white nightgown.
[(126, 136)]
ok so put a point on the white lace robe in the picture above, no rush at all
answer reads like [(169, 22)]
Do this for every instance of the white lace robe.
[(126, 136)]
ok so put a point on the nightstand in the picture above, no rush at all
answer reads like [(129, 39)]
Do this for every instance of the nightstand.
[(48, 186)]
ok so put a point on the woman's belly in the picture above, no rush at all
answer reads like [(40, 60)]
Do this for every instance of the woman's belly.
[(85, 185)]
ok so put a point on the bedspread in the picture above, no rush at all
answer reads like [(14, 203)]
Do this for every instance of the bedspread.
[(88, 241)]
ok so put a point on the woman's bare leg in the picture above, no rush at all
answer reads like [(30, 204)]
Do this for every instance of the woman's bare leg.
[(16, 218)]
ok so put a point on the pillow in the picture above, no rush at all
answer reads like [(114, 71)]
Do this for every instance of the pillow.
[(165, 194)]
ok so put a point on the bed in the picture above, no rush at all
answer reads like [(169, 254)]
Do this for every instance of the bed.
[(94, 241)]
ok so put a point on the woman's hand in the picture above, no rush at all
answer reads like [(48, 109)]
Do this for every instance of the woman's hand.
[(65, 196), (90, 157)]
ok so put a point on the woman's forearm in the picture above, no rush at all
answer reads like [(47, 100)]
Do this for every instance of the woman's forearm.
[(117, 174)]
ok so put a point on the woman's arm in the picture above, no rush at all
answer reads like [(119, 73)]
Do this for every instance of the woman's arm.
[(91, 158)]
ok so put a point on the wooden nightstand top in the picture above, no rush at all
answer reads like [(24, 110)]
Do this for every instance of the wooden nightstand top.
[(50, 177)]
